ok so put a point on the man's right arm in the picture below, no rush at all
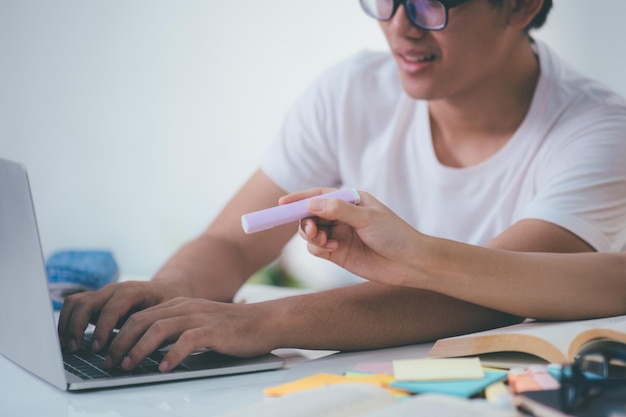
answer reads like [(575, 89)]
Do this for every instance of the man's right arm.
[(213, 266)]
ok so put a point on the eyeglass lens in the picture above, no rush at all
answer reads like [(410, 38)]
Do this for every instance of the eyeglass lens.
[(425, 14), (594, 365)]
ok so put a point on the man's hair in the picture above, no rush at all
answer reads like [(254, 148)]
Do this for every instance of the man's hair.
[(540, 17)]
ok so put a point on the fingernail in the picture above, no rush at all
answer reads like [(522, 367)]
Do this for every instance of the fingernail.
[(72, 345), (126, 362), (95, 346), (164, 366), (317, 204), (108, 362)]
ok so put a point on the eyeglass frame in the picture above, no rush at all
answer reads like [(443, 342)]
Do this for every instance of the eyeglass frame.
[(447, 5), (576, 387)]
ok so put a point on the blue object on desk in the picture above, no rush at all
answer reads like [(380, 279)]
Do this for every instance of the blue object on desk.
[(464, 388), (73, 271)]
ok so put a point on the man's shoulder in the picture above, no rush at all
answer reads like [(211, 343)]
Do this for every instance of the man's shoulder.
[(563, 84)]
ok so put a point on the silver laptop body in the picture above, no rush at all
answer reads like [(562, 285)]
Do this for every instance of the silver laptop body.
[(28, 334)]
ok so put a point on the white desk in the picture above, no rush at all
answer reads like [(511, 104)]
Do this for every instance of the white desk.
[(22, 394)]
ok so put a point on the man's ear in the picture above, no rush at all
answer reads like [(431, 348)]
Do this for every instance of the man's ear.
[(522, 12)]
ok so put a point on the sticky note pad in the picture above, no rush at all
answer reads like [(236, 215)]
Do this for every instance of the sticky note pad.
[(313, 381), (375, 367), (381, 380), (323, 379), (495, 392), (459, 388), (439, 369)]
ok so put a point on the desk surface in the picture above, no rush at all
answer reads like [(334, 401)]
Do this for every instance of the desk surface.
[(24, 394)]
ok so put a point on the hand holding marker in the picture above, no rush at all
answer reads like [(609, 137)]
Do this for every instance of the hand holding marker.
[(290, 212)]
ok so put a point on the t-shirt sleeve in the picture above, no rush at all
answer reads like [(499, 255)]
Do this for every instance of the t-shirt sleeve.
[(582, 186), (303, 153)]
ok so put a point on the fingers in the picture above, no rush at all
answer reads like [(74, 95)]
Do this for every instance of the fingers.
[(338, 210), (111, 316), (333, 220), (182, 320), (106, 308), (188, 341), (314, 231), (329, 210), (191, 324), (301, 195), (143, 333), (142, 337), (77, 311)]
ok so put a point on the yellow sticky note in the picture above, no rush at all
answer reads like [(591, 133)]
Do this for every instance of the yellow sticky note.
[(309, 382), (437, 369), (382, 380), (324, 379), (379, 379), (495, 392)]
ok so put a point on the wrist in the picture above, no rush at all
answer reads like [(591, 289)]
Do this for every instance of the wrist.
[(175, 280), (425, 262), (274, 323)]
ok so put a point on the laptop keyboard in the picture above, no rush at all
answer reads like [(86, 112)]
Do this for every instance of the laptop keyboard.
[(87, 364)]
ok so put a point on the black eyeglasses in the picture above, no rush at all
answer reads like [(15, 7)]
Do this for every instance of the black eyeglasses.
[(590, 374), (424, 14)]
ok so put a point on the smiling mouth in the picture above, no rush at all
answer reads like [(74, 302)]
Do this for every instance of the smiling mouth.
[(419, 58)]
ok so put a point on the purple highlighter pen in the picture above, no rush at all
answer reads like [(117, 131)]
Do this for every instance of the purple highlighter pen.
[(290, 212)]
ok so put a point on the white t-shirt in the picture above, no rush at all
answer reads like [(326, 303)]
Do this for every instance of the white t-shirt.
[(566, 164)]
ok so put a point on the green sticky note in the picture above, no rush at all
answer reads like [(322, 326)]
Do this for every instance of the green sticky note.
[(437, 369)]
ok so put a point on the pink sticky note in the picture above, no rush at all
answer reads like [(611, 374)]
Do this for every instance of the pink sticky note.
[(375, 367)]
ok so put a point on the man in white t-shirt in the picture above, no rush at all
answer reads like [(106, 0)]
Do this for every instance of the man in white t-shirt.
[(468, 130), (356, 127)]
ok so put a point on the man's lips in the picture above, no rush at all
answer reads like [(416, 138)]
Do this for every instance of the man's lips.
[(413, 62)]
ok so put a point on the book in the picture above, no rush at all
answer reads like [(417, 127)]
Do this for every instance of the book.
[(556, 342), (364, 400)]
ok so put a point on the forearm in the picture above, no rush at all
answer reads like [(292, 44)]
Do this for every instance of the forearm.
[(520, 273), (207, 267), (372, 315), (218, 262), (539, 285)]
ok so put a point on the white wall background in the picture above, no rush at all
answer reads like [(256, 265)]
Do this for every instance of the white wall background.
[(138, 119)]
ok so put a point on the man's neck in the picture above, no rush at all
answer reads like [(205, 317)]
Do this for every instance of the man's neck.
[(468, 129)]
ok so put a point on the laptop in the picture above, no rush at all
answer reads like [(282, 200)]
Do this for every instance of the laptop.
[(28, 333)]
